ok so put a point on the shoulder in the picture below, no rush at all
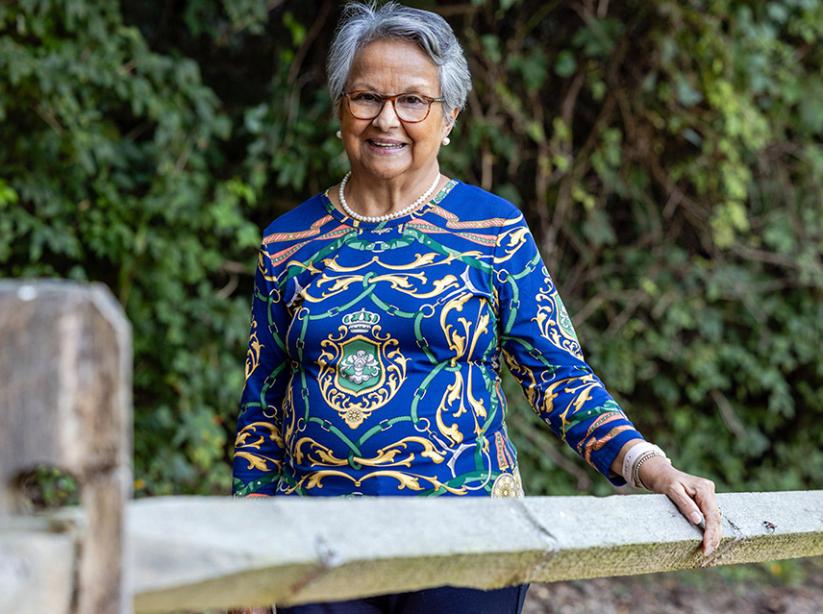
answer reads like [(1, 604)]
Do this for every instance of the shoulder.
[(293, 224), (478, 202), (291, 233)]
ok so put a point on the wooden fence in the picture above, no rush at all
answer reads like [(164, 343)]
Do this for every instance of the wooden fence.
[(65, 401)]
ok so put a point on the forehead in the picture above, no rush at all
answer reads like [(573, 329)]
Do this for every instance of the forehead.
[(393, 65)]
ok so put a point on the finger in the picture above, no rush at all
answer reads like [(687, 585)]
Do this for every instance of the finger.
[(677, 494), (707, 500)]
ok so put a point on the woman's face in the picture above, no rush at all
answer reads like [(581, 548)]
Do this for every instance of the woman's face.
[(409, 150)]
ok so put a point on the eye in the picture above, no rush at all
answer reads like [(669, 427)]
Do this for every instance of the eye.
[(365, 97), (411, 100)]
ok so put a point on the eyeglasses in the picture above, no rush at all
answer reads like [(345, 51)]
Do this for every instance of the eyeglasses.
[(410, 108)]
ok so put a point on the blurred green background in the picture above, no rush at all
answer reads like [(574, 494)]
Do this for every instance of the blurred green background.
[(667, 156)]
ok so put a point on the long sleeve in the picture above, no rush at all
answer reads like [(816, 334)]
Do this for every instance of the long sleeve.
[(258, 447), (540, 347)]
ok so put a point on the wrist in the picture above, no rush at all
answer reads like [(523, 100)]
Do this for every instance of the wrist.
[(637, 456), (650, 472)]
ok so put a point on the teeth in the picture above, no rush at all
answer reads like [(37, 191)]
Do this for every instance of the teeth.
[(388, 145)]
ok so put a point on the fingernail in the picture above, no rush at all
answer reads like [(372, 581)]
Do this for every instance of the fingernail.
[(709, 550), (696, 517)]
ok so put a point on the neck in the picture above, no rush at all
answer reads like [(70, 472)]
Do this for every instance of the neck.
[(373, 197)]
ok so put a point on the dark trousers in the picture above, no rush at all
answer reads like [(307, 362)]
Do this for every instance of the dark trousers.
[(440, 600)]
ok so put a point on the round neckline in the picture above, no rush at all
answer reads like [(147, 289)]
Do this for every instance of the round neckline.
[(423, 208)]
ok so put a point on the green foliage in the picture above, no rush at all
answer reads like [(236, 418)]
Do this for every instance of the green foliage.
[(47, 487), (666, 153)]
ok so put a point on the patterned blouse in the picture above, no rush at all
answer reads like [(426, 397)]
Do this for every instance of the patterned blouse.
[(373, 364)]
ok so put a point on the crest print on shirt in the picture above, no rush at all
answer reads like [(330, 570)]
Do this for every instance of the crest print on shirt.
[(360, 369)]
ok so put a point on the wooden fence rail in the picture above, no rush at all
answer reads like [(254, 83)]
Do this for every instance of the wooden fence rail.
[(65, 363), (202, 552)]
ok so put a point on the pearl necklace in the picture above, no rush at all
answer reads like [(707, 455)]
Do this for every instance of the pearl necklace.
[(382, 218)]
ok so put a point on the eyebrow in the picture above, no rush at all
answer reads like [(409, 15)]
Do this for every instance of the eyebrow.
[(362, 85)]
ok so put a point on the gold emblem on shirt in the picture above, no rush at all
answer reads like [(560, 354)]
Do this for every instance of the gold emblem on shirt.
[(360, 369)]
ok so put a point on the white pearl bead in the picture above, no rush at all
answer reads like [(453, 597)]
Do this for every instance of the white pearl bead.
[(381, 218)]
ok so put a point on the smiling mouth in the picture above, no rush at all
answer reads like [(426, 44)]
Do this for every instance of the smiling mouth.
[(386, 146)]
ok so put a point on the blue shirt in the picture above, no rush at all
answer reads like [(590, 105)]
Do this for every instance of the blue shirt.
[(375, 348)]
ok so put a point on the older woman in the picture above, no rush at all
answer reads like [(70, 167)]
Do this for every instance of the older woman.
[(382, 308)]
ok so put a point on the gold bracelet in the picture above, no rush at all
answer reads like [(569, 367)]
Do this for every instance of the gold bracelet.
[(636, 469)]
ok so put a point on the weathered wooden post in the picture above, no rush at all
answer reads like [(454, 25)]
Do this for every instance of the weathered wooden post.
[(65, 401)]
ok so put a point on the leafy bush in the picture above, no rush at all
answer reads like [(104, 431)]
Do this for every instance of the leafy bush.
[(666, 153)]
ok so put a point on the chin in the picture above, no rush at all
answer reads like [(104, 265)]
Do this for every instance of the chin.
[(385, 171)]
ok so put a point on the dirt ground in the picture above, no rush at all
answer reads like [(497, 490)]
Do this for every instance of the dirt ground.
[(795, 587)]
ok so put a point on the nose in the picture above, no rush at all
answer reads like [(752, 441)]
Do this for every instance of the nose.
[(387, 117)]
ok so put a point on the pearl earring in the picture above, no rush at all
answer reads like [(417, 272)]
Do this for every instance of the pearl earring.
[(446, 140), (339, 134)]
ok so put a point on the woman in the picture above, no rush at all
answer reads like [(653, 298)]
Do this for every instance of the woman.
[(382, 308)]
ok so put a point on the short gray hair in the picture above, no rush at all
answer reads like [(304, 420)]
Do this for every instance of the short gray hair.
[(362, 23)]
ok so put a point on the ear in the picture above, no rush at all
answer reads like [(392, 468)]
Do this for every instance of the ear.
[(451, 118)]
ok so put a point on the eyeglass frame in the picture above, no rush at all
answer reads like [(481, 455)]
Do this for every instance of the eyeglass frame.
[(393, 98)]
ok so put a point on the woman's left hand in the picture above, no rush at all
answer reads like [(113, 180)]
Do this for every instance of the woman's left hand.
[(694, 497)]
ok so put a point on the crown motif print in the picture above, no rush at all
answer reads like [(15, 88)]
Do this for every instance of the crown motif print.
[(361, 321)]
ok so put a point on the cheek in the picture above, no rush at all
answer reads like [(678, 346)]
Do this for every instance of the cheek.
[(425, 139), (350, 127), (353, 135)]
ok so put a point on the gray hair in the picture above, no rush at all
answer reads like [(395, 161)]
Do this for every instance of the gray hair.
[(362, 23)]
